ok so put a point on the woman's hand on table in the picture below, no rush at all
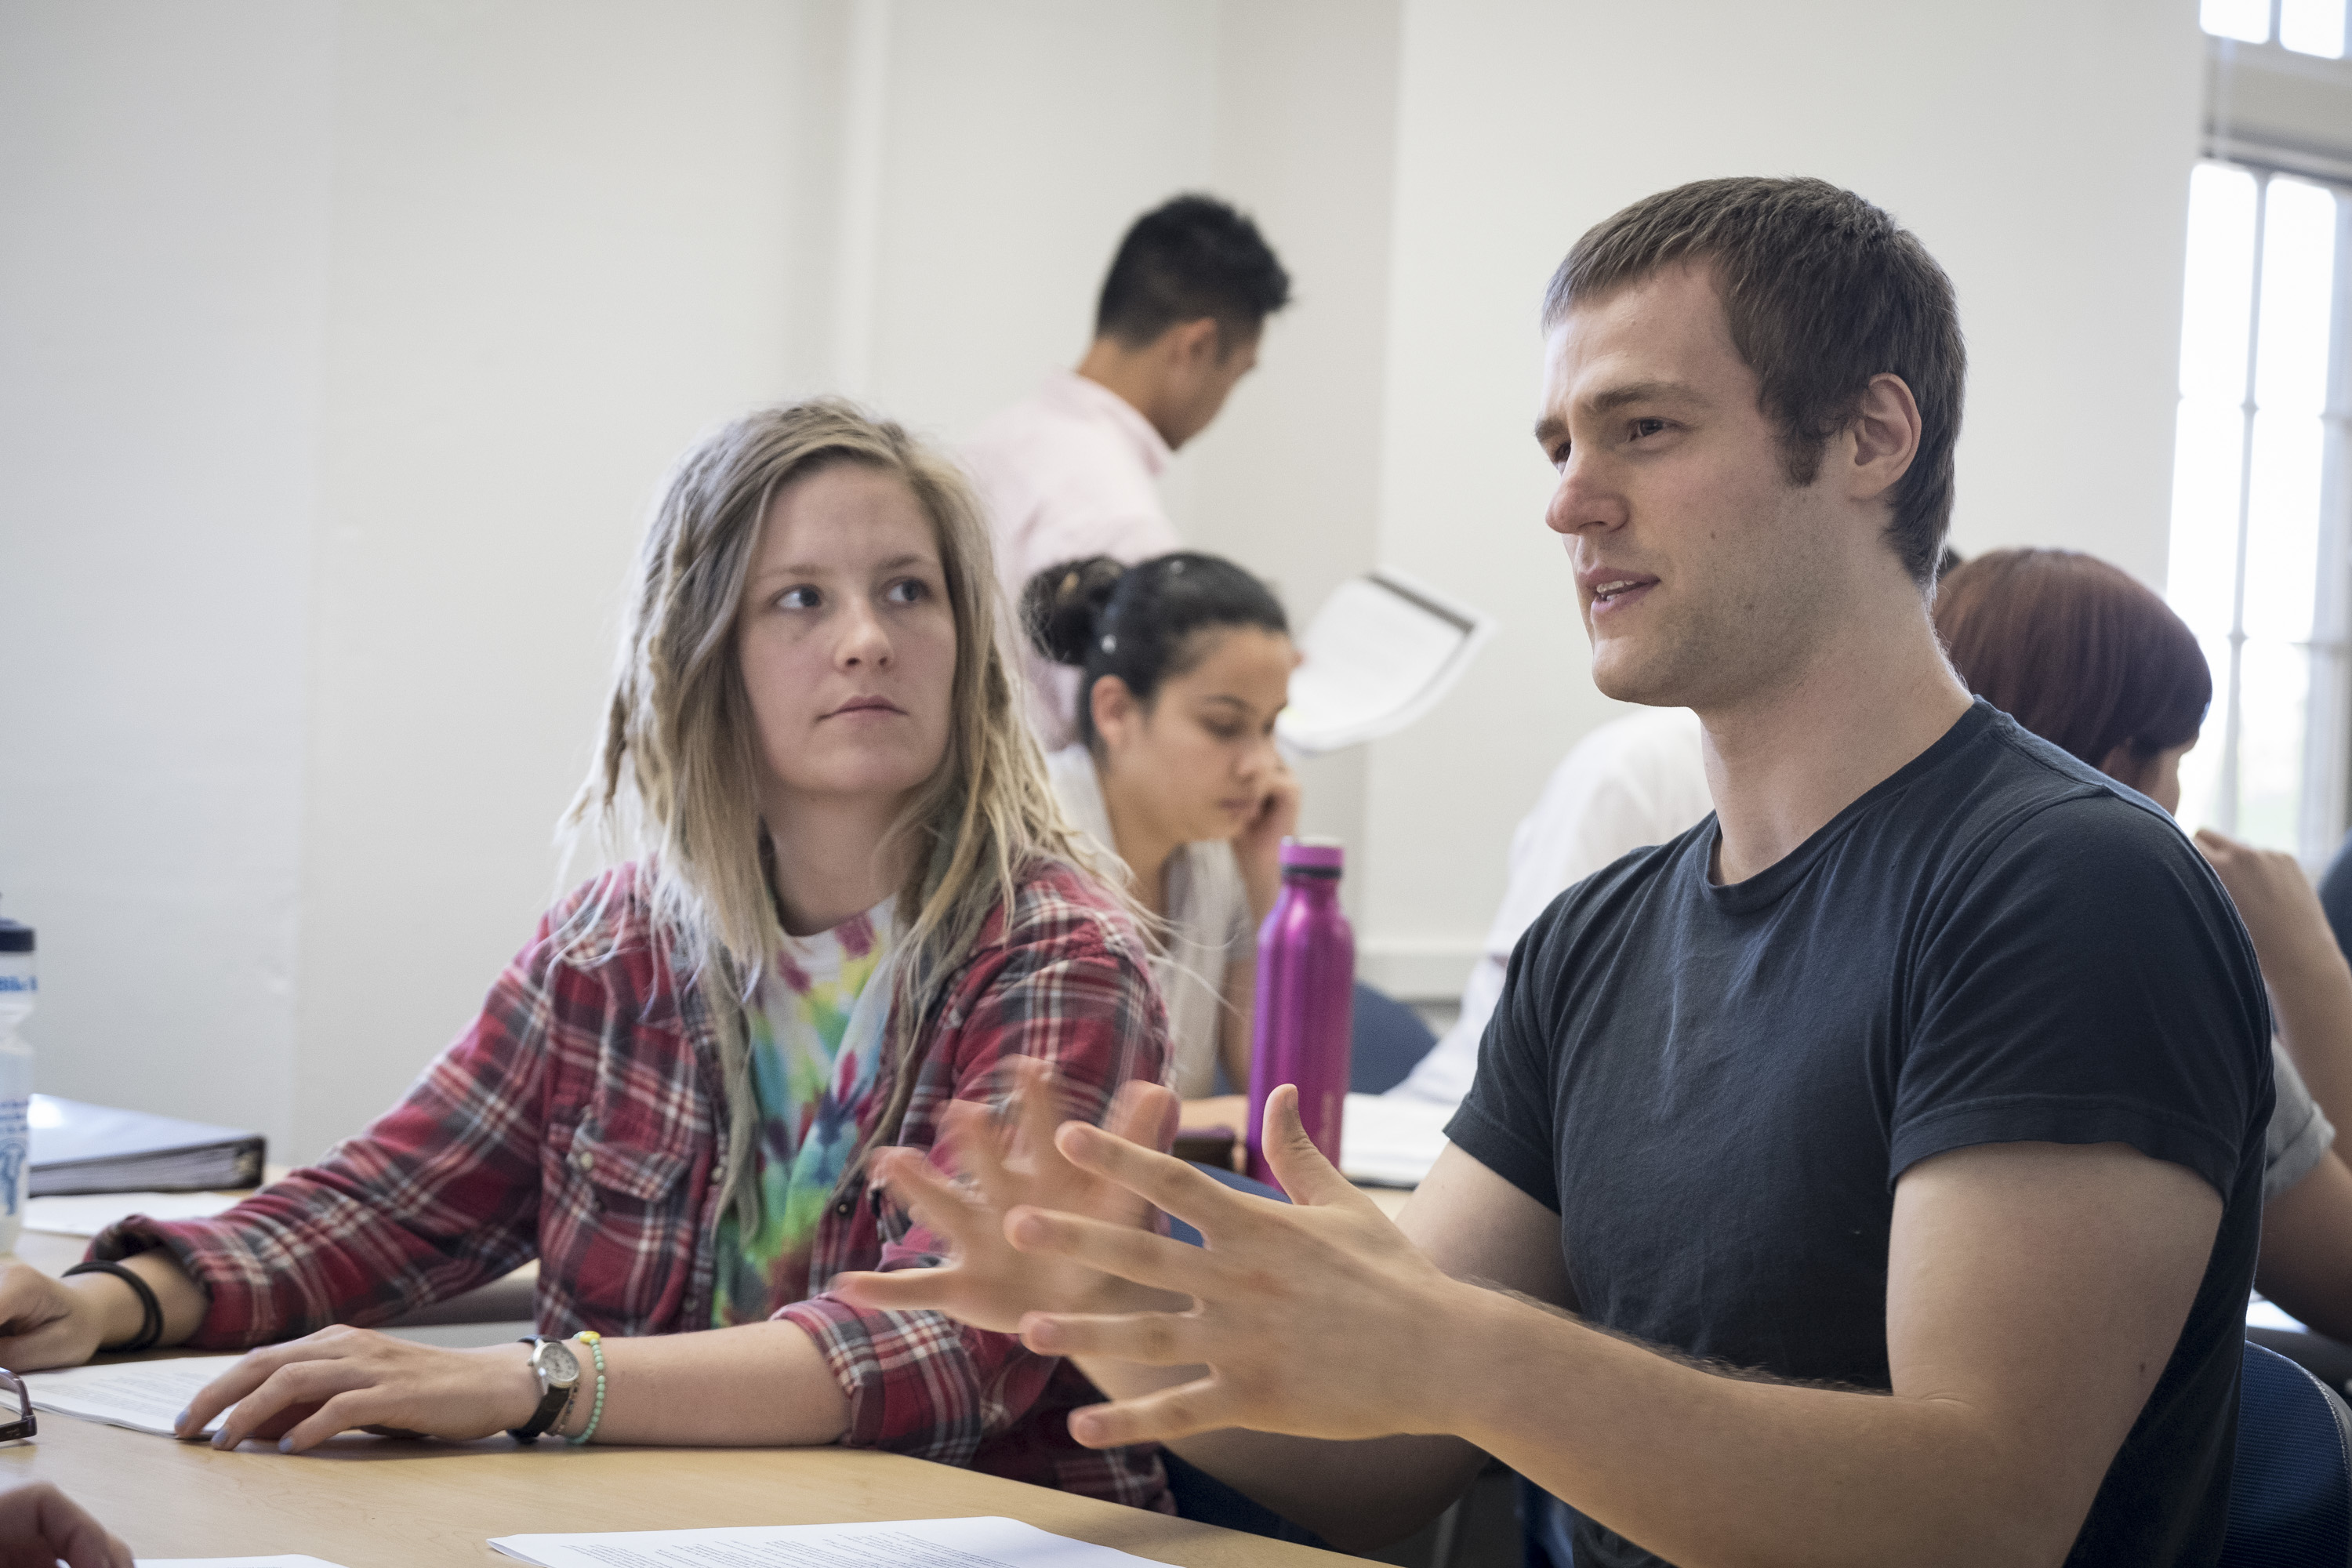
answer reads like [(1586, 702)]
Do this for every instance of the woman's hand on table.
[(46, 1322), (345, 1379), (1011, 1164), (40, 1525)]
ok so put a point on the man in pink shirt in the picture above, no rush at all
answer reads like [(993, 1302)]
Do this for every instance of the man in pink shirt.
[(1074, 469)]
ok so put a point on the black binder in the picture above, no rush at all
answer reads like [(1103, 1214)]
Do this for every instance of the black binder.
[(83, 1148)]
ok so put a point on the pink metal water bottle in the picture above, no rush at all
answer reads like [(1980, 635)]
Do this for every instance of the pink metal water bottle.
[(1306, 999)]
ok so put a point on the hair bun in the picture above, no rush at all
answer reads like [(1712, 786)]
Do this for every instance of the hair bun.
[(1061, 604)]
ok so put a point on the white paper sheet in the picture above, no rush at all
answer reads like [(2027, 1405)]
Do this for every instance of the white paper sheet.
[(297, 1561), (2262, 1312), (1378, 655), (144, 1396), (988, 1543), (1391, 1142), (86, 1214)]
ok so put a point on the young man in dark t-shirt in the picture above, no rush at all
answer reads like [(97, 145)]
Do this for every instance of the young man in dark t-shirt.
[(1882, 1156)]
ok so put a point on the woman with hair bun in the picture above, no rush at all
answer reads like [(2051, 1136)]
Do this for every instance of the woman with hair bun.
[(1184, 662), (2088, 659)]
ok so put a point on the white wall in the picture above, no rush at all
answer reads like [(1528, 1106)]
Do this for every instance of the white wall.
[(562, 247), (342, 346), (162, 316), (1290, 482), (1015, 156)]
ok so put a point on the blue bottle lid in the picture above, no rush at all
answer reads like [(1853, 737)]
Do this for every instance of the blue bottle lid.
[(15, 936)]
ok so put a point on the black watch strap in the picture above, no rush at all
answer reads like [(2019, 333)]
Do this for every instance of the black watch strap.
[(551, 1405)]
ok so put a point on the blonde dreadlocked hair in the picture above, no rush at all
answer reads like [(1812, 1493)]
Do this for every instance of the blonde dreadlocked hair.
[(677, 772)]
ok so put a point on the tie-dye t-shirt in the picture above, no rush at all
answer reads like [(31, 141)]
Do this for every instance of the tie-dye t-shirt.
[(814, 1050)]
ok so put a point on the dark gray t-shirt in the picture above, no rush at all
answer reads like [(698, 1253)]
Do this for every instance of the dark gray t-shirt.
[(1717, 1088)]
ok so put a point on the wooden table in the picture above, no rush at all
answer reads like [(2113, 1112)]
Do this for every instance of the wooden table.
[(375, 1502), (368, 1502)]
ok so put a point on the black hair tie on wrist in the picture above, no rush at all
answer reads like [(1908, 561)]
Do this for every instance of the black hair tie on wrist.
[(151, 1311)]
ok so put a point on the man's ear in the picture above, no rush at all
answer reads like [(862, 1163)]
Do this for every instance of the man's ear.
[(1195, 344), (1886, 431)]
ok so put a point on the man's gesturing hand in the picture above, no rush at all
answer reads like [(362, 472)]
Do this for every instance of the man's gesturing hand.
[(1008, 1162), (1316, 1318)]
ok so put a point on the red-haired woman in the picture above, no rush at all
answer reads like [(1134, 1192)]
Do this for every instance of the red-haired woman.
[(2090, 659)]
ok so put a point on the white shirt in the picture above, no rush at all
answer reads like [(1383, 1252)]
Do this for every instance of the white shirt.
[(1208, 925), (1070, 472), (1635, 780)]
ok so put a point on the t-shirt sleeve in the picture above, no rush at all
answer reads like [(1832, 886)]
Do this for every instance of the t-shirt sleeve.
[(1504, 1122), (2085, 981), (2299, 1132)]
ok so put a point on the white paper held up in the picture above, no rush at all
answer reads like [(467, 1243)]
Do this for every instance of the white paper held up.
[(985, 1542), (1378, 655), (144, 1396)]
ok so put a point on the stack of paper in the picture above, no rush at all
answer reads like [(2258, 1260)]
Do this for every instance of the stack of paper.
[(1389, 1141), (144, 1396), (907, 1543), (82, 1148)]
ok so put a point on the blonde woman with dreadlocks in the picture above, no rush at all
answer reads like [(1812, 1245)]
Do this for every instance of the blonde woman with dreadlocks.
[(854, 908)]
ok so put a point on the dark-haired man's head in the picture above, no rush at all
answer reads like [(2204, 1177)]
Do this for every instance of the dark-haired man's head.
[(1752, 391), (1181, 312)]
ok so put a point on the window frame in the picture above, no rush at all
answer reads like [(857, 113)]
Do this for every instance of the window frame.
[(2310, 146)]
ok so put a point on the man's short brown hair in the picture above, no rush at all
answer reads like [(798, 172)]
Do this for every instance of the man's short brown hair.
[(1822, 291)]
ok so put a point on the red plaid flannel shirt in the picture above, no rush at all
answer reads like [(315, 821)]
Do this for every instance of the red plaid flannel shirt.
[(580, 1121)]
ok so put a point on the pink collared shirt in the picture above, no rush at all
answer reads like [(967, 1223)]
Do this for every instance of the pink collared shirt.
[(1070, 471)]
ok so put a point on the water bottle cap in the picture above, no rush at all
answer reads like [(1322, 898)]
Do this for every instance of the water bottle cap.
[(1320, 857), (15, 936)]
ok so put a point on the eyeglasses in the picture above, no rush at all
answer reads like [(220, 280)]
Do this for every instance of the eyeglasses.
[(15, 1408)]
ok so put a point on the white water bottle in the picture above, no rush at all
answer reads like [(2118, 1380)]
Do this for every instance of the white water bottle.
[(18, 990)]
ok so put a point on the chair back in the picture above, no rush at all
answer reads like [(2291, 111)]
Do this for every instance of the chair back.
[(1546, 1524), (2291, 1485), (1386, 1042), (1234, 1179), (1197, 1494)]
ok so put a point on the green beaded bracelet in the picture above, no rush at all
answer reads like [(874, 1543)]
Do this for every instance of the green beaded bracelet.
[(594, 1340)]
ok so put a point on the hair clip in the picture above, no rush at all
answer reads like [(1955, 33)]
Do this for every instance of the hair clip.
[(1110, 642)]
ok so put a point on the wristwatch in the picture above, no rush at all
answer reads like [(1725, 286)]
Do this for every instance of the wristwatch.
[(557, 1371)]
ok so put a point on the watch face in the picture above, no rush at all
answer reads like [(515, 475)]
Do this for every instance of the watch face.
[(556, 1363)]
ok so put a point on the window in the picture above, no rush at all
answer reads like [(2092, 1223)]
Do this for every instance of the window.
[(2260, 564), (2258, 534), (2307, 26)]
